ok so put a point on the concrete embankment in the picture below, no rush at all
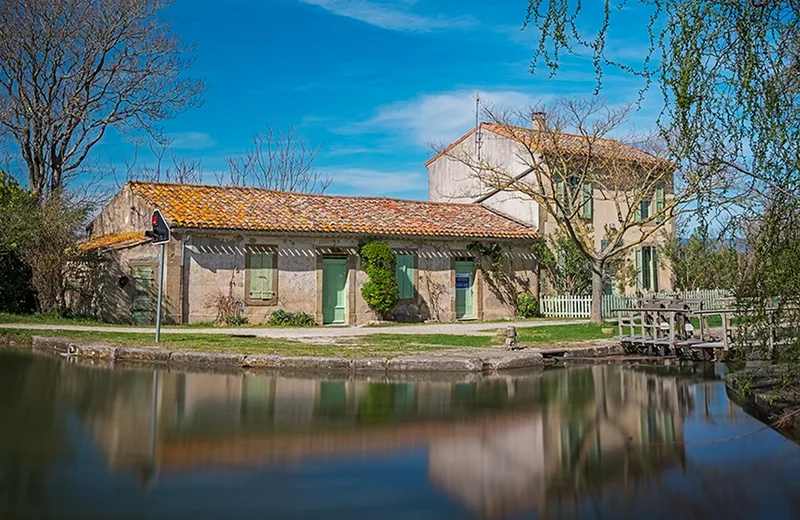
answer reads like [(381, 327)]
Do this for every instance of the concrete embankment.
[(463, 361), (765, 393)]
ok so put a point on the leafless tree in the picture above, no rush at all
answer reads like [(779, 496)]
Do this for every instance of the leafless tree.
[(568, 166), (179, 169), (279, 160), (71, 69)]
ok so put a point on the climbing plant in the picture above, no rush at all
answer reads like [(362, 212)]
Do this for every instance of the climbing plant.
[(500, 277), (380, 263)]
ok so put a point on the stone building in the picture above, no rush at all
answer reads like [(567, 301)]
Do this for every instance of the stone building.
[(264, 250), (451, 178)]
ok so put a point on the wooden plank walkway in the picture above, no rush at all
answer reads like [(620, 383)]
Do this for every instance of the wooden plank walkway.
[(666, 329)]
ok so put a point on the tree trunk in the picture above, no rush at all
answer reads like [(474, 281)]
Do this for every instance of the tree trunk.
[(597, 292)]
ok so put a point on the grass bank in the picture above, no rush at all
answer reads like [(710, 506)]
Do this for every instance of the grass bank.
[(553, 334), (381, 345)]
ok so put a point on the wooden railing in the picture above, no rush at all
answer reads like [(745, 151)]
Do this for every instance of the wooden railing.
[(580, 306)]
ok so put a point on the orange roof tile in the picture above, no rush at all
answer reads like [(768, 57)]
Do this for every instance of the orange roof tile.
[(114, 241), (570, 143), (229, 207)]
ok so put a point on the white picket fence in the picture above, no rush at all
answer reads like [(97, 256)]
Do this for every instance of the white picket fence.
[(580, 306), (565, 306)]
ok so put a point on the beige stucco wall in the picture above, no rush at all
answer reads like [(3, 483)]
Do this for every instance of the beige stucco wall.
[(124, 213), (214, 264), (204, 265), (450, 179)]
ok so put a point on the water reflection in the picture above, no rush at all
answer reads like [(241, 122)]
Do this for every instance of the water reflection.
[(587, 441)]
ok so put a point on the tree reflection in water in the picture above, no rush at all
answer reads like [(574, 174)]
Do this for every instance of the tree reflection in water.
[(566, 442), (33, 433)]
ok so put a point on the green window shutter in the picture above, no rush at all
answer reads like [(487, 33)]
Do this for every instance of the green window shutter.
[(588, 201), (560, 194), (260, 275), (643, 212), (639, 270), (405, 276), (660, 204), (267, 268), (653, 270)]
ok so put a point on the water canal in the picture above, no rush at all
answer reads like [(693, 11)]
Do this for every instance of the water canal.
[(600, 441)]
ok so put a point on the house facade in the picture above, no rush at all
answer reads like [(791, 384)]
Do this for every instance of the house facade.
[(260, 251), (452, 179)]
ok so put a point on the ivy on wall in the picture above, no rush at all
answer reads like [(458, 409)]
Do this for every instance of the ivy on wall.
[(380, 263), (501, 276)]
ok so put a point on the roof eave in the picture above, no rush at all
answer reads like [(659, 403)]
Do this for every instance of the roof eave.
[(323, 234)]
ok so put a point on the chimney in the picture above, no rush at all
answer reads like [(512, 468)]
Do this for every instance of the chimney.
[(539, 120)]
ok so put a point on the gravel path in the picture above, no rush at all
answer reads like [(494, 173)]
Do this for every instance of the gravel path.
[(470, 329)]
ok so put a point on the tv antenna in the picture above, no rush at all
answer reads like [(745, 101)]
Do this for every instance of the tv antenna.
[(478, 129)]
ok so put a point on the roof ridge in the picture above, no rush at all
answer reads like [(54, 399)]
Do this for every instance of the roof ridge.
[(298, 193), (568, 134), (497, 128)]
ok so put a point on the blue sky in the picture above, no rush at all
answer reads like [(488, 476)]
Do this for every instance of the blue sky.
[(373, 81)]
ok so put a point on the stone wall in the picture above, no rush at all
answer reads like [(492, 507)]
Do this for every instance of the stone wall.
[(214, 266)]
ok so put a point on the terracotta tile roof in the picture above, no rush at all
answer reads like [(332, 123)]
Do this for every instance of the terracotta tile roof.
[(114, 241), (568, 142), (218, 207)]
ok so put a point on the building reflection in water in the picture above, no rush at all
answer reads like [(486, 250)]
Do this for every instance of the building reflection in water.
[(496, 445)]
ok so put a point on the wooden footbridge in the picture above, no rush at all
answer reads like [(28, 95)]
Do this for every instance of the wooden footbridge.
[(678, 328), (664, 331), (681, 328)]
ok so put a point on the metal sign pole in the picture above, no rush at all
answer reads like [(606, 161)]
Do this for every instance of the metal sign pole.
[(160, 291)]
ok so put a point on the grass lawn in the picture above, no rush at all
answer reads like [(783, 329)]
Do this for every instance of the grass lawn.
[(386, 324), (562, 333), (382, 345), (52, 319), (46, 319)]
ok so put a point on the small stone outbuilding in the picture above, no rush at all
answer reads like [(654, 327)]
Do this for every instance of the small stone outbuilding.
[(265, 250)]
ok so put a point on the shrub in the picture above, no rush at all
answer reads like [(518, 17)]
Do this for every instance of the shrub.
[(380, 263), (291, 319), (527, 305), (236, 320), (229, 308)]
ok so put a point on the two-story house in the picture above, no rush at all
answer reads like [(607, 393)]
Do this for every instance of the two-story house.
[(453, 175)]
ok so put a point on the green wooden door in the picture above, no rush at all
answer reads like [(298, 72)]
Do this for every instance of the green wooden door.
[(334, 280), (465, 282), (142, 303)]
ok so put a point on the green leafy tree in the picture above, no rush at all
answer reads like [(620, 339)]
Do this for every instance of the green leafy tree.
[(701, 262), (16, 206), (38, 243), (768, 286), (380, 263)]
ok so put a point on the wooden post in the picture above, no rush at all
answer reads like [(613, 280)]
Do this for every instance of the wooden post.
[(726, 332), (672, 332)]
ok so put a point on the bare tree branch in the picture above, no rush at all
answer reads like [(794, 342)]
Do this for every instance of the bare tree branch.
[(279, 160), (570, 162), (69, 70)]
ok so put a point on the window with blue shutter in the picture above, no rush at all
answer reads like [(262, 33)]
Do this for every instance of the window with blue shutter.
[(260, 267), (405, 276)]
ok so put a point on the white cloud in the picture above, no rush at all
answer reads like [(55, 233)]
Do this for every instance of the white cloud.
[(365, 181), (191, 140), (438, 118), (392, 14)]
